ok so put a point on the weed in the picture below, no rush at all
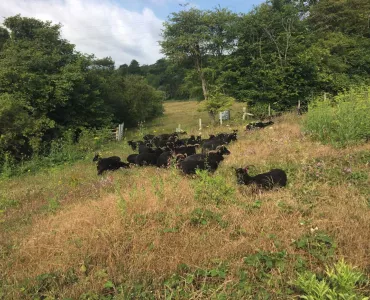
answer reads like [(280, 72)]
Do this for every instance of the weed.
[(318, 244), (203, 217), (264, 262), (340, 282), (212, 189), (53, 205), (340, 122)]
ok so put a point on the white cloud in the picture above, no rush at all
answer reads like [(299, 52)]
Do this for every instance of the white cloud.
[(99, 27)]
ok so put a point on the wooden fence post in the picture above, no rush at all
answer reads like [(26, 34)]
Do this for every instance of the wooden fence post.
[(220, 115), (200, 124), (119, 134), (244, 113), (299, 108), (269, 110), (325, 96)]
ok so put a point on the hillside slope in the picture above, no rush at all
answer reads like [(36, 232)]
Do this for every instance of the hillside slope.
[(149, 233)]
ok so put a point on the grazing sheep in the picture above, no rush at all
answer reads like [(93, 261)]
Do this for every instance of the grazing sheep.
[(132, 144), (145, 148), (164, 160), (148, 158), (275, 177), (211, 156), (193, 141), (190, 166), (148, 137), (212, 144), (188, 150), (132, 158), (109, 164), (180, 142), (97, 157), (255, 125)]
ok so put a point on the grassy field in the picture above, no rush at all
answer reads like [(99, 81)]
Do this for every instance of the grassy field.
[(187, 115), (147, 233)]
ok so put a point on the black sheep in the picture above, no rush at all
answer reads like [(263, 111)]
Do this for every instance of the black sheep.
[(211, 156), (188, 150), (97, 157), (148, 158), (190, 166), (255, 125), (132, 158), (193, 141), (212, 144), (133, 145), (275, 177), (164, 160), (148, 137), (110, 164), (145, 148)]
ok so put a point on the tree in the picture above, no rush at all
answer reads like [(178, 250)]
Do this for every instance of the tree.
[(217, 102), (195, 34), (4, 36), (134, 68), (47, 88)]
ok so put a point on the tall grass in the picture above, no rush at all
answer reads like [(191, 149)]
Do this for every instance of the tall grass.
[(341, 121)]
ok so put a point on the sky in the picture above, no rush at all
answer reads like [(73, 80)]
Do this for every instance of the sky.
[(122, 29)]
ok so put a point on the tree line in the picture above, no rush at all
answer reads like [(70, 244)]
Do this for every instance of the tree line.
[(280, 52), (47, 88)]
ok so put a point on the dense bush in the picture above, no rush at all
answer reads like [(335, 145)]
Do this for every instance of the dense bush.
[(48, 91), (63, 150), (342, 120)]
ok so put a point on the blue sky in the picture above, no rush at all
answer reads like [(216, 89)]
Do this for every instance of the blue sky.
[(121, 29), (162, 8)]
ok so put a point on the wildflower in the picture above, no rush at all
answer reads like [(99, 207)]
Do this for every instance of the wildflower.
[(314, 229)]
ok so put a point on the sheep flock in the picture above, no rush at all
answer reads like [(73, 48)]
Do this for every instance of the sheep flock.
[(169, 149)]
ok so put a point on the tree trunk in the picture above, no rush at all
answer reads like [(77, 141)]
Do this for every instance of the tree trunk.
[(198, 62), (204, 84), (213, 116)]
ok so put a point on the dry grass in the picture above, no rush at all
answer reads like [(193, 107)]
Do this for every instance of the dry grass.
[(135, 225)]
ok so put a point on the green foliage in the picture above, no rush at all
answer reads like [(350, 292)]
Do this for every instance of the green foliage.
[(47, 89), (58, 152), (191, 36), (340, 282), (286, 50), (260, 110), (318, 244), (204, 217), (342, 121), (48, 284), (212, 189), (265, 262), (185, 282), (217, 102)]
